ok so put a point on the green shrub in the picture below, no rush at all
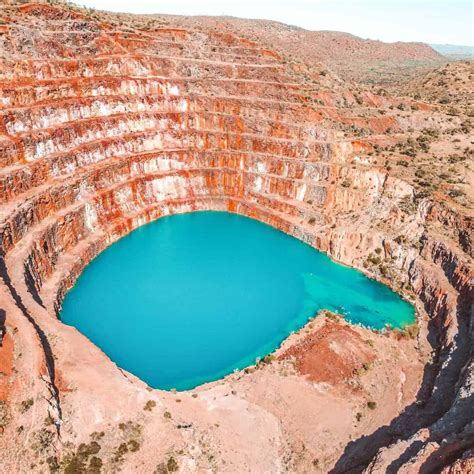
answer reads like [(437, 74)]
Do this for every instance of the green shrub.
[(149, 405), (375, 260), (26, 405)]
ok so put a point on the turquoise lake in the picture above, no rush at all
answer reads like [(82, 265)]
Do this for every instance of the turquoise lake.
[(189, 298)]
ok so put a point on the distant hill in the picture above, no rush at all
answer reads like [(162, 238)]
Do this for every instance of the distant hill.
[(352, 58), (454, 51), (449, 84)]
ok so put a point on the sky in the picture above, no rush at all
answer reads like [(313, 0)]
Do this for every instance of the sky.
[(430, 21)]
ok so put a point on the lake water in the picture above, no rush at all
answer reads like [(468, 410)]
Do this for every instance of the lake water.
[(189, 298)]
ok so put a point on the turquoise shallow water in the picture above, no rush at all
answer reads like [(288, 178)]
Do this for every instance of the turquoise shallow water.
[(189, 298)]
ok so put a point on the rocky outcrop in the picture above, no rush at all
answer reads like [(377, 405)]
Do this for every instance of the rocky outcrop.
[(108, 123)]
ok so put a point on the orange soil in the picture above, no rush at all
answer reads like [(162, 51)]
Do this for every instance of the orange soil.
[(6, 365), (330, 355)]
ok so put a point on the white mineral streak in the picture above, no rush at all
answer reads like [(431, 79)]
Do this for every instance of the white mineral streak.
[(199, 142), (257, 186), (342, 151), (183, 105), (124, 198), (154, 165), (261, 167), (173, 90), (362, 160), (168, 187), (16, 127), (49, 146), (373, 181), (84, 191), (301, 192), (90, 217)]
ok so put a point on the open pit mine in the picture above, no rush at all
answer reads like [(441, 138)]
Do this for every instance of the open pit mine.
[(111, 121)]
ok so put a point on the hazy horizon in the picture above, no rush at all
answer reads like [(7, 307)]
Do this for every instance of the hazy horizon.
[(427, 21)]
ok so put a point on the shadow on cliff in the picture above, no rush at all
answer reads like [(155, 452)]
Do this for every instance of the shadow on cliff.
[(30, 285), (48, 353), (3, 317), (430, 404), (449, 452)]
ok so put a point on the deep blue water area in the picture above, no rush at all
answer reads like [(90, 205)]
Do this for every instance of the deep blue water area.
[(189, 298)]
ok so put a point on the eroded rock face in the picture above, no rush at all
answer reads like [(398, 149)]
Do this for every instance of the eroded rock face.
[(107, 123)]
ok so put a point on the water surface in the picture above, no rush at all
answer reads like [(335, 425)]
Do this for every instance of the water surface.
[(189, 298)]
